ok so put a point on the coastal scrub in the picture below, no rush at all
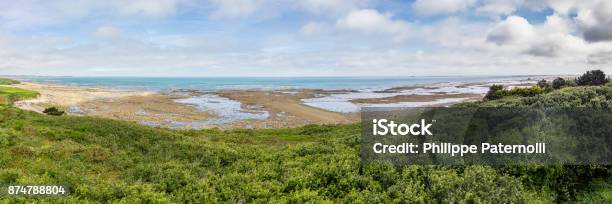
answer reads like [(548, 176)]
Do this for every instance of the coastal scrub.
[(6, 81), (8, 95), (103, 160)]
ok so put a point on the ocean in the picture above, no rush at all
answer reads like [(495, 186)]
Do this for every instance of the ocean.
[(267, 83)]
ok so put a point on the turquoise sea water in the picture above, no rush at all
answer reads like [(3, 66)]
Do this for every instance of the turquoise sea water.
[(219, 83)]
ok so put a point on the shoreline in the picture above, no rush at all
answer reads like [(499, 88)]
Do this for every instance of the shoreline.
[(249, 108)]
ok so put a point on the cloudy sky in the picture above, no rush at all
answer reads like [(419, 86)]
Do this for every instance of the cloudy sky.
[(304, 37)]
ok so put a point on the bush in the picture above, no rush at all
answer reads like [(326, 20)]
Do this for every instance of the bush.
[(558, 83), (592, 78), (542, 83), (493, 92), (53, 111), (545, 85), (524, 92), (497, 92)]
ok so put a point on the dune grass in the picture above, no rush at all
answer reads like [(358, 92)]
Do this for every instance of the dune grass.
[(8, 95), (6, 81)]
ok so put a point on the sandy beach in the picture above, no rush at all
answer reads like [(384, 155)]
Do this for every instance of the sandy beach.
[(64, 96)]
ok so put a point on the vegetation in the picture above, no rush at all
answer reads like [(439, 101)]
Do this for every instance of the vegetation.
[(558, 83), (104, 160), (53, 111), (497, 92), (494, 92), (5, 81), (523, 92), (542, 83), (8, 95), (592, 78), (114, 161)]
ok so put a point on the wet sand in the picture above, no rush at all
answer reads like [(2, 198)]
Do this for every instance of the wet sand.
[(152, 108), (285, 108)]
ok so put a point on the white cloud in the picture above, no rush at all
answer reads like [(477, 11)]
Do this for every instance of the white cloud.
[(555, 38), (229, 9), (333, 6), (335, 37), (33, 13), (600, 58), (499, 7), (107, 32), (513, 30), (312, 28), (562, 7), (556, 24), (434, 7), (371, 21), (235, 8), (151, 8)]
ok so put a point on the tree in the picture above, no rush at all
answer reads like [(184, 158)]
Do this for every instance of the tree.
[(592, 78), (494, 92), (558, 83), (53, 111)]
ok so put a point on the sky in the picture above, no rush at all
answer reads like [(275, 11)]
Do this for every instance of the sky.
[(304, 37)]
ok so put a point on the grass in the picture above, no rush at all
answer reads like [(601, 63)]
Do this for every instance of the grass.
[(6, 81), (8, 95), (104, 160), (19, 92), (600, 192)]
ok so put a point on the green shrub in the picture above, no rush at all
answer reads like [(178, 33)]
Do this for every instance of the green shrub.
[(493, 92), (558, 83), (8, 176), (592, 78), (497, 92), (542, 83), (524, 92), (53, 111)]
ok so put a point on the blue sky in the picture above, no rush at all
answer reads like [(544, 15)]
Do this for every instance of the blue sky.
[(304, 37)]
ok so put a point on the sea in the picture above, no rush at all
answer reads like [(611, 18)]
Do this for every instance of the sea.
[(265, 83)]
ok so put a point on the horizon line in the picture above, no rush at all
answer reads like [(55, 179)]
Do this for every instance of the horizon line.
[(291, 76)]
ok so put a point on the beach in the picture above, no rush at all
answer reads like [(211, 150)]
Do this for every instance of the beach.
[(246, 108)]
